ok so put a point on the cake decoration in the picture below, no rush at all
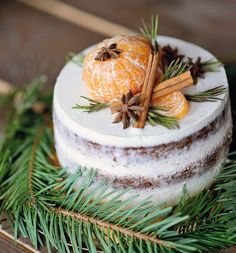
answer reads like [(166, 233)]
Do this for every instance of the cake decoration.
[(170, 54), (110, 78), (131, 67), (198, 68), (127, 108), (151, 72), (111, 52)]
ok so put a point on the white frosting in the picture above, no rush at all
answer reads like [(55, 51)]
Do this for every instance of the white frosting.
[(97, 127), (134, 165)]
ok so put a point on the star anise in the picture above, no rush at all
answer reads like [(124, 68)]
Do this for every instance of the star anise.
[(170, 54), (197, 69), (110, 52), (127, 109)]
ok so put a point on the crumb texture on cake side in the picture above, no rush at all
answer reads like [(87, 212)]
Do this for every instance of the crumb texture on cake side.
[(154, 160)]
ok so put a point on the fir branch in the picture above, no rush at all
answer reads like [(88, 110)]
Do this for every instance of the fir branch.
[(32, 161), (156, 117), (176, 68), (150, 31), (22, 102), (68, 219), (210, 95), (5, 161), (114, 227), (77, 59), (94, 106)]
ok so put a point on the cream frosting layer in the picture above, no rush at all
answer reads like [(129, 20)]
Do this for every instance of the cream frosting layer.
[(135, 165), (97, 127)]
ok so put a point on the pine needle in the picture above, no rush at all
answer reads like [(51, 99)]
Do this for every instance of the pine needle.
[(156, 117), (150, 31), (210, 95), (176, 68), (94, 106)]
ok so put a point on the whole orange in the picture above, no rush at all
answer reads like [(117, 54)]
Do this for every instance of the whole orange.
[(107, 80)]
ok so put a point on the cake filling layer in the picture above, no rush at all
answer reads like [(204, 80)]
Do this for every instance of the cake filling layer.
[(198, 168), (75, 141), (170, 193), (147, 167)]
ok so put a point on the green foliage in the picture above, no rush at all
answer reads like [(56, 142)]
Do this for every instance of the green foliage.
[(211, 65), (176, 67), (43, 205), (150, 31), (210, 95), (94, 106), (156, 117)]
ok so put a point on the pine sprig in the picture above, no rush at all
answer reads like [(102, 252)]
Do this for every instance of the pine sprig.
[(150, 31), (177, 67), (156, 117), (94, 105), (210, 95)]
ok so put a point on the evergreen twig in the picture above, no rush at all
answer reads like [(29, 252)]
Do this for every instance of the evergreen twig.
[(156, 117), (94, 105), (210, 95), (177, 67), (150, 31)]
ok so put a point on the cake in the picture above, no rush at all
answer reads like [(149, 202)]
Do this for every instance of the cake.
[(152, 161)]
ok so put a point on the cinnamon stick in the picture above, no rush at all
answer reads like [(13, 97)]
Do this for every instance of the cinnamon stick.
[(148, 90), (144, 88), (145, 84), (174, 84)]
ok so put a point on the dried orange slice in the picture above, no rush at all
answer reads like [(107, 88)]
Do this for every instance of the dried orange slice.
[(109, 79), (175, 103)]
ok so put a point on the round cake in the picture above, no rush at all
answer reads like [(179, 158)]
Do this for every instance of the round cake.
[(154, 160)]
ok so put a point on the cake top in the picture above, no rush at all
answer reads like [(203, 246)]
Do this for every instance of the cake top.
[(98, 126)]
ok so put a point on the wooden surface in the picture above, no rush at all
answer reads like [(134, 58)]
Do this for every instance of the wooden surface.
[(33, 42)]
